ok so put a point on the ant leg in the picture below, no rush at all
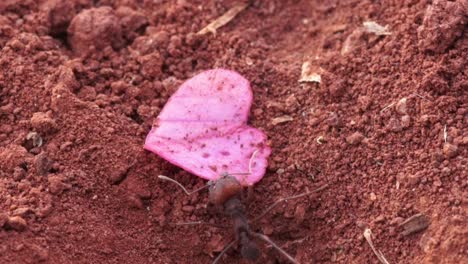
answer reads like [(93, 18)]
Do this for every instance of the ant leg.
[(269, 241), (162, 177), (287, 199), (224, 251)]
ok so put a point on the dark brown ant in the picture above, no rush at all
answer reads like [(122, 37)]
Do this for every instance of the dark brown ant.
[(226, 193)]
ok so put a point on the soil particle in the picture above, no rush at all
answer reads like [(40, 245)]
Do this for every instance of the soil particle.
[(19, 174), (95, 29), (151, 65), (16, 223), (13, 156), (59, 14), (57, 184), (42, 163), (450, 150), (444, 22), (405, 121), (401, 106), (132, 22), (355, 138)]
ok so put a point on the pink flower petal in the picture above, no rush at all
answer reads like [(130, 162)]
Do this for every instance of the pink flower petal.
[(203, 128)]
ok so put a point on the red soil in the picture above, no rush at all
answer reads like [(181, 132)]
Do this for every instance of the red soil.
[(89, 77)]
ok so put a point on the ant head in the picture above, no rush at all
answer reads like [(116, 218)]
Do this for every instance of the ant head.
[(223, 189)]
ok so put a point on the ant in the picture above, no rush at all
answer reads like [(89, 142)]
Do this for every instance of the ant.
[(226, 193)]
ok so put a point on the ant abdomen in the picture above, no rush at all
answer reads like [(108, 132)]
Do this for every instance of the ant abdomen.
[(224, 189), (249, 250)]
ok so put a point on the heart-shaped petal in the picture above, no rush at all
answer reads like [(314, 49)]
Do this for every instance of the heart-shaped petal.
[(203, 129)]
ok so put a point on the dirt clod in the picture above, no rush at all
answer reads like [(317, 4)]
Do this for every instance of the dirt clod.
[(443, 23), (12, 156), (96, 28), (450, 150), (42, 123), (16, 223), (57, 184), (355, 138)]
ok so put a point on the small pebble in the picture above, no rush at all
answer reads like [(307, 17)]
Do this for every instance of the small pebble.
[(355, 138), (450, 150), (57, 185), (16, 223), (42, 163), (42, 123), (405, 121)]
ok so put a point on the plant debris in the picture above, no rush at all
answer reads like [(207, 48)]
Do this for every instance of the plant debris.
[(373, 27), (281, 119), (35, 139), (310, 73), (224, 19), (368, 235), (414, 224)]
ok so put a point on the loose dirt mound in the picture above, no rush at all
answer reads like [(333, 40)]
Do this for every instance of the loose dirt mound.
[(82, 81)]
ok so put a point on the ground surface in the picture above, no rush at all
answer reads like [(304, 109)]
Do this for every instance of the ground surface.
[(80, 87)]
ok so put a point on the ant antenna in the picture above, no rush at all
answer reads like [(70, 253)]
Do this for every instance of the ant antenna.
[(224, 251), (269, 241), (250, 165), (287, 199), (162, 177)]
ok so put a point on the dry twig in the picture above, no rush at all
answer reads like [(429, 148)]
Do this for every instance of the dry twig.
[(378, 253), (224, 19)]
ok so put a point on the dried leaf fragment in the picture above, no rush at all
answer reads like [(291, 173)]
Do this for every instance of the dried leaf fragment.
[(373, 27), (224, 19), (281, 119), (310, 73), (414, 224), (352, 41)]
